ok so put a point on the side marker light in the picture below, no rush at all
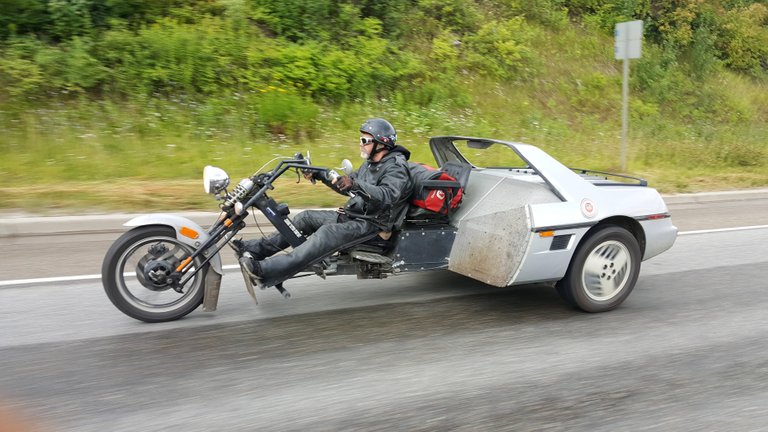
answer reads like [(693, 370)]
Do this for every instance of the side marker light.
[(189, 232)]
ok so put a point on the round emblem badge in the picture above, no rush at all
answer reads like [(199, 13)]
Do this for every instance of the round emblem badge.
[(440, 195), (588, 208)]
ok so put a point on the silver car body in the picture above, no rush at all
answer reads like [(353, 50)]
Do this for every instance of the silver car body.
[(523, 225)]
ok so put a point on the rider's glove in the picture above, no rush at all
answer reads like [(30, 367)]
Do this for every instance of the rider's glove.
[(343, 183)]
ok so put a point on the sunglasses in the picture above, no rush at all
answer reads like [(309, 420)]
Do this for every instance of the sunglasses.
[(365, 141)]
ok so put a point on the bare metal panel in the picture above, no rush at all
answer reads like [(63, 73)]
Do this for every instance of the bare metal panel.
[(494, 227), (491, 246)]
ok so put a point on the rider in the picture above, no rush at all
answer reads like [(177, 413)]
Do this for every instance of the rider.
[(379, 192)]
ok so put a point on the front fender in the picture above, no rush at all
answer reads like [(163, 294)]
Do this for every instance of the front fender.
[(179, 224)]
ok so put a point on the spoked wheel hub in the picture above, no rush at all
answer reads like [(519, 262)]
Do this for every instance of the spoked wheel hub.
[(156, 275)]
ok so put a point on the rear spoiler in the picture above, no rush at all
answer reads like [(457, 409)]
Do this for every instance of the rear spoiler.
[(605, 175)]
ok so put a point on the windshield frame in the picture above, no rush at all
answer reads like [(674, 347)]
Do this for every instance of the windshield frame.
[(444, 149)]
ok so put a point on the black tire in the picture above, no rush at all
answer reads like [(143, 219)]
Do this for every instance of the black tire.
[(603, 271), (119, 284)]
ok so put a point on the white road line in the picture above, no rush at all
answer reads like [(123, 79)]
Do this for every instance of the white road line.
[(722, 230), (232, 267), (71, 278), (49, 280)]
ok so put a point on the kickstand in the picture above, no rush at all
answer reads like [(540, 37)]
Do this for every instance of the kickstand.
[(283, 291)]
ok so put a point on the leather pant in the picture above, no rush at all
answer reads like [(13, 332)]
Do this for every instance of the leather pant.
[(325, 232)]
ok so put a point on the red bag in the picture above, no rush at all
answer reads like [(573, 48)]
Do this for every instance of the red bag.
[(441, 200)]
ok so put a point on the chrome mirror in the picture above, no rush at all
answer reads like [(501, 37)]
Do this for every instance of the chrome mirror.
[(346, 166)]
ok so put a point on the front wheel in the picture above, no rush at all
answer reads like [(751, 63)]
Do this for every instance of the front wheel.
[(135, 270), (603, 271)]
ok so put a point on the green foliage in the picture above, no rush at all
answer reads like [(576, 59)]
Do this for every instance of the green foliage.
[(552, 13), (604, 15), (743, 39), (69, 18), (21, 17), (500, 49), (98, 88), (593, 93), (459, 16), (298, 20), (20, 75), (71, 66), (702, 54), (286, 114), (339, 50), (219, 55)]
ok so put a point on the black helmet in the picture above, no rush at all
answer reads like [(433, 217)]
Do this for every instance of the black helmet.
[(383, 132)]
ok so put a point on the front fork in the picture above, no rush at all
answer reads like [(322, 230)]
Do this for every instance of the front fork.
[(226, 228)]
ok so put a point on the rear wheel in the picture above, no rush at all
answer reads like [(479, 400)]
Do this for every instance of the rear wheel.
[(603, 270), (135, 275)]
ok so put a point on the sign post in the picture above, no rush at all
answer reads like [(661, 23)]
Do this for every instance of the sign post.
[(629, 37)]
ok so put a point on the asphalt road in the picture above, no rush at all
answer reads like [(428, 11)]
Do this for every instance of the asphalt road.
[(436, 351)]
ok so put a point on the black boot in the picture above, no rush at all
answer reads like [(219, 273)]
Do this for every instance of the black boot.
[(238, 246), (253, 268)]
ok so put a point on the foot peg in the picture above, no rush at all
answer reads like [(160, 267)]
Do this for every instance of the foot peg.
[(325, 267)]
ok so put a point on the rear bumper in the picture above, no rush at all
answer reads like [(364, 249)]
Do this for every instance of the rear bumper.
[(660, 235)]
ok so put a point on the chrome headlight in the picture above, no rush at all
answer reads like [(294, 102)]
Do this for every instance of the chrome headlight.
[(215, 179)]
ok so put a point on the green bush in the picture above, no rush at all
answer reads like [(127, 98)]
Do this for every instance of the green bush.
[(743, 39), (69, 18), (20, 17), (71, 67), (501, 48), (460, 16), (660, 76), (21, 76)]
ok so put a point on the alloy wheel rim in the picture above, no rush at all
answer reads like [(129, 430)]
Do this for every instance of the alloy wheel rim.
[(606, 270)]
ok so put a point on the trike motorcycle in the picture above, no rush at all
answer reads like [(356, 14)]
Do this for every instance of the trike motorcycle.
[(526, 219)]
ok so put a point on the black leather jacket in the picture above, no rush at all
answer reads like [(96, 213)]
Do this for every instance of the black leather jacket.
[(381, 190)]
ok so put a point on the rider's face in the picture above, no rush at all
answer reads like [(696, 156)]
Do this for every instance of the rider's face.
[(366, 145)]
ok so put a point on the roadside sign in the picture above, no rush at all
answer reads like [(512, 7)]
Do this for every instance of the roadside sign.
[(629, 38)]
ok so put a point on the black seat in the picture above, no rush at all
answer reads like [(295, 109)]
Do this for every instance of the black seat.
[(459, 171)]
